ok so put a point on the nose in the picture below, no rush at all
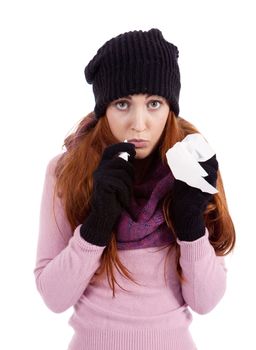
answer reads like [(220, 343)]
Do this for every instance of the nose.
[(139, 120)]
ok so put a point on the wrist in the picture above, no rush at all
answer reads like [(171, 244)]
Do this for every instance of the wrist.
[(97, 229), (190, 228)]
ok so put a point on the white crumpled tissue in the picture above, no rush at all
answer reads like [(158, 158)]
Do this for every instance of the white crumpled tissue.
[(183, 160)]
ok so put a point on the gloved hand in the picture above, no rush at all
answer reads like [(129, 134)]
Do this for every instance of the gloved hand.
[(112, 189), (189, 203)]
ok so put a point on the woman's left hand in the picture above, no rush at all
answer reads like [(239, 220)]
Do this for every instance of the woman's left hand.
[(189, 203)]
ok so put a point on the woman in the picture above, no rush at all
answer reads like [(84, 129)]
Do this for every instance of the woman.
[(123, 241)]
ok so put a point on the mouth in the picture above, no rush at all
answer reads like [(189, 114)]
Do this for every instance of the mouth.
[(139, 143), (137, 140)]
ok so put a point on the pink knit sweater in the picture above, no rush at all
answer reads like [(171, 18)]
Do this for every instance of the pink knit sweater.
[(151, 315)]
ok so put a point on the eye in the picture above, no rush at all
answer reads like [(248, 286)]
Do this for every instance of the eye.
[(155, 104), (121, 105)]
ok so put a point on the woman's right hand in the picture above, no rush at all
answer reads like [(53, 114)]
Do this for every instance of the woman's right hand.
[(112, 190)]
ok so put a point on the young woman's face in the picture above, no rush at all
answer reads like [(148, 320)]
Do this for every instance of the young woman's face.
[(138, 117)]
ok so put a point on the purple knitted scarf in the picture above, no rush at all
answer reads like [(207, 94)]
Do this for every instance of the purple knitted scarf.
[(144, 225)]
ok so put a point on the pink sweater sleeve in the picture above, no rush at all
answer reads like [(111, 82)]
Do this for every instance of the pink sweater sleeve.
[(204, 272), (65, 262)]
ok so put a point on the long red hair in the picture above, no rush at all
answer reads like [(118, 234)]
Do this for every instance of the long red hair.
[(74, 184)]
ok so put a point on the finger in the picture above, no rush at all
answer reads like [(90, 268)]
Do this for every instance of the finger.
[(210, 163), (119, 164), (116, 180), (115, 149)]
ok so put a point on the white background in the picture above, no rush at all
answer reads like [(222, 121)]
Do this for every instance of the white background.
[(45, 46)]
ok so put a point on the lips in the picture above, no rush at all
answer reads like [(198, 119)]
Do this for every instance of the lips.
[(137, 140), (139, 143)]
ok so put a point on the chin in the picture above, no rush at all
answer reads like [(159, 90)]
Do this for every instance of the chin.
[(141, 155)]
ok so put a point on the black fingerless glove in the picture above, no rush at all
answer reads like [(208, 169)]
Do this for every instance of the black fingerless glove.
[(189, 203), (112, 189)]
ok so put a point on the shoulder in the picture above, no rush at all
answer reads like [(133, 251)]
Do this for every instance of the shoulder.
[(53, 163)]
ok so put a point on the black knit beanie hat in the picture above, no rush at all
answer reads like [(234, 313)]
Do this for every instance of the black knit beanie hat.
[(132, 63)]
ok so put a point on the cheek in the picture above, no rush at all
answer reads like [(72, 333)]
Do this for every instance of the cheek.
[(112, 122), (117, 129)]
